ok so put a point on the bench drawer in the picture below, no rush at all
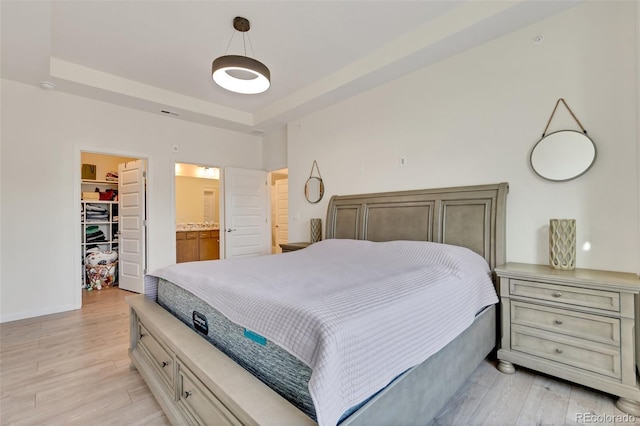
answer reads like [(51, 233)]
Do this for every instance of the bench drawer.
[(161, 357), (200, 402)]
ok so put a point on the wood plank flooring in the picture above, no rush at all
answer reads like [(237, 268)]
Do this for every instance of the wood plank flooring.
[(73, 368)]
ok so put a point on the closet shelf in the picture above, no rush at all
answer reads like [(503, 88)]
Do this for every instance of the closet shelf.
[(107, 226), (99, 182), (99, 202)]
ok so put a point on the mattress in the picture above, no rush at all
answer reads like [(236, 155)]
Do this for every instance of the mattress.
[(355, 313), (274, 366)]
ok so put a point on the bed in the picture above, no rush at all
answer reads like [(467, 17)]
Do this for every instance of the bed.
[(197, 383)]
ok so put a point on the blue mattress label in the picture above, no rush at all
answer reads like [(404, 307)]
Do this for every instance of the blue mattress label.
[(255, 337)]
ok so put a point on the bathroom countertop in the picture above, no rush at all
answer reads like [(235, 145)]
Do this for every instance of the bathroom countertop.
[(182, 227)]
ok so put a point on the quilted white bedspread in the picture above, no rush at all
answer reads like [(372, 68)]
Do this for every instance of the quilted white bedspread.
[(358, 313)]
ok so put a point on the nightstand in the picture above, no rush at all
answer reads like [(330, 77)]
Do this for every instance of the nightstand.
[(286, 247), (577, 325)]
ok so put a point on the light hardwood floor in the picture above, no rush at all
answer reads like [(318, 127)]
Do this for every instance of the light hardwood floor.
[(73, 368)]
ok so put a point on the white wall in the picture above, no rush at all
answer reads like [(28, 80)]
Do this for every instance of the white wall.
[(638, 110), (275, 150), (42, 134), (473, 119), (190, 198)]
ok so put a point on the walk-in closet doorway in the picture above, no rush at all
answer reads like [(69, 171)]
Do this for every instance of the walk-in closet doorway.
[(112, 243)]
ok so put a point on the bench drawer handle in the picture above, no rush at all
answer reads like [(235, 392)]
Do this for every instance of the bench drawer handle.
[(558, 322), (558, 350), (557, 294)]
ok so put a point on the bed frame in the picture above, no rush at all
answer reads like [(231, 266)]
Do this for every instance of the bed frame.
[(197, 384)]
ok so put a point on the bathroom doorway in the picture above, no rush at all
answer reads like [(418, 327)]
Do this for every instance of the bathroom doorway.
[(197, 212)]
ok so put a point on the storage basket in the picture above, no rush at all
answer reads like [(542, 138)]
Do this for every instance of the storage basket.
[(101, 276), (101, 270), (90, 195)]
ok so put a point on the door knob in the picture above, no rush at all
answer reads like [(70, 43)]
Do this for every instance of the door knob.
[(230, 230)]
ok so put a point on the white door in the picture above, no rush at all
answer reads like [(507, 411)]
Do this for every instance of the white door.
[(282, 212), (210, 206), (132, 218), (246, 213)]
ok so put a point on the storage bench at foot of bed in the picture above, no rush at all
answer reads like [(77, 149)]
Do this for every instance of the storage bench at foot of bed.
[(195, 383)]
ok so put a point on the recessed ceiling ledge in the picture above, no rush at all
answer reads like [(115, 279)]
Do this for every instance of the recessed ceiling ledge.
[(447, 25), (100, 80)]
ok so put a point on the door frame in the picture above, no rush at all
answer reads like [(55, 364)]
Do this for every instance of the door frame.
[(77, 178), (277, 224)]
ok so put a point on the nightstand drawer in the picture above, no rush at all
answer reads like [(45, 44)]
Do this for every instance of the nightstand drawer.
[(591, 356), (606, 300), (592, 327)]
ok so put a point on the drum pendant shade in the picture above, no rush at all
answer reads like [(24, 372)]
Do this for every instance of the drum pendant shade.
[(241, 74)]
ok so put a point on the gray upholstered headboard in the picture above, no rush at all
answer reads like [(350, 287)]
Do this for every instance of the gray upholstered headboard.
[(469, 216)]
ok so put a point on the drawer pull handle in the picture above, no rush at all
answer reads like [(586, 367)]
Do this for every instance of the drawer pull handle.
[(142, 335), (164, 364), (557, 294), (187, 394), (558, 322), (558, 350)]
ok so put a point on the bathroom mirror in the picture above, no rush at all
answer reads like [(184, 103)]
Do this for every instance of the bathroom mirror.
[(314, 189), (563, 155)]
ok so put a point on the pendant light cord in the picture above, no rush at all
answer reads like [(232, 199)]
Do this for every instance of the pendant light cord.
[(230, 40), (244, 43), (250, 47)]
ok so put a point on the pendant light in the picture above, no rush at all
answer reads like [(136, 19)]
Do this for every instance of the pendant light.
[(241, 74)]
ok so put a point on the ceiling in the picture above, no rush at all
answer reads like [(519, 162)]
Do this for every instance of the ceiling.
[(156, 55)]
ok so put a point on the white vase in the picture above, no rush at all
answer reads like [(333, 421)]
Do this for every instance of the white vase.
[(316, 230), (562, 243)]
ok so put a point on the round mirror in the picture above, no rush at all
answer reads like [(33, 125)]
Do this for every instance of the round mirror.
[(314, 189), (563, 155)]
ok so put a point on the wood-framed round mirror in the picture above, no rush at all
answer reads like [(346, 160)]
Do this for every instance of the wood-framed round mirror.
[(563, 155), (314, 189)]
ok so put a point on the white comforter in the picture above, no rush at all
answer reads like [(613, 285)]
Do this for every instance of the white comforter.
[(358, 313)]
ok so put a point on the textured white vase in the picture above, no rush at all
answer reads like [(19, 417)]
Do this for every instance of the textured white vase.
[(316, 230), (562, 243)]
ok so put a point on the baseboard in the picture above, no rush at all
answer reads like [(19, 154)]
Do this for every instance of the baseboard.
[(37, 313)]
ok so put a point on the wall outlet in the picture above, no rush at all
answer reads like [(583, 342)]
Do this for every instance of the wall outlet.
[(403, 161)]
